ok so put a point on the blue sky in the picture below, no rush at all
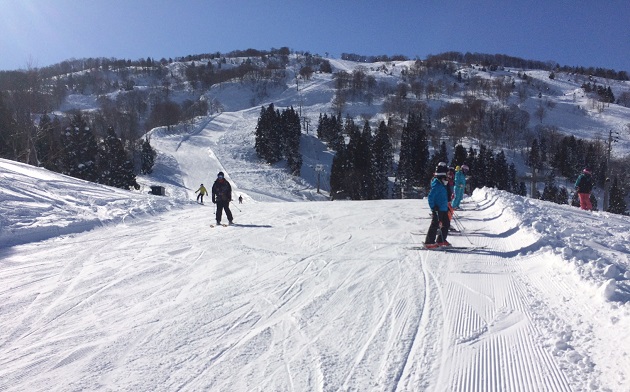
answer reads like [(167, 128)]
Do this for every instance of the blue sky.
[(38, 33)]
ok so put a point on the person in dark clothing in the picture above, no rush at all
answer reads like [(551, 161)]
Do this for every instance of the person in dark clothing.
[(222, 196), (438, 202), (584, 186)]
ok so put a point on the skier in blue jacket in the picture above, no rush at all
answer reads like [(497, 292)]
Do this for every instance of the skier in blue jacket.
[(460, 185), (438, 202)]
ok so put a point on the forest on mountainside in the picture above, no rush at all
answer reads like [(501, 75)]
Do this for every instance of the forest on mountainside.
[(433, 104)]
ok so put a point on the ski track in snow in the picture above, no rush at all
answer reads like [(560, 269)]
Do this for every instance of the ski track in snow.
[(294, 305), (299, 296)]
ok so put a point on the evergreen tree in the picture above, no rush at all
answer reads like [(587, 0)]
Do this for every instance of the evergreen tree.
[(353, 175), (414, 155), (278, 136), (362, 163), (482, 169), (337, 141), (115, 167), (321, 126), (501, 176), (292, 133), (80, 150), (147, 158), (522, 189), (443, 154), (7, 125), (617, 204), (48, 143), (337, 175), (534, 160), (263, 134), (330, 130), (513, 185), (563, 196), (382, 158), (459, 156), (550, 192)]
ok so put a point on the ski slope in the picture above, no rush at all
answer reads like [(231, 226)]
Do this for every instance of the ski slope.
[(304, 296), (112, 290)]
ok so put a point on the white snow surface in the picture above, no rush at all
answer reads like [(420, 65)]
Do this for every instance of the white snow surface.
[(111, 290), (303, 295)]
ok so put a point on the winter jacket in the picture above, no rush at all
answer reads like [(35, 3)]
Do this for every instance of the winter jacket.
[(221, 191), (438, 196), (460, 179), (584, 183), (202, 190)]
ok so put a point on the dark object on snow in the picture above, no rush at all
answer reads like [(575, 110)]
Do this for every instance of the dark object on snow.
[(157, 190)]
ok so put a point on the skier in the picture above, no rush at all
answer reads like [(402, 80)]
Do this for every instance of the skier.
[(584, 186), (450, 191), (240, 199), (222, 196), (202, 191), (460, 184), (438, 202)]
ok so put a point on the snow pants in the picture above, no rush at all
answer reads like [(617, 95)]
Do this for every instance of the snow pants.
[(223, 205), (585, 201), (438, 231), (459, 195)]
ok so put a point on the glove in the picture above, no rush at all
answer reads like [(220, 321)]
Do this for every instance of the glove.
[(214, 201)]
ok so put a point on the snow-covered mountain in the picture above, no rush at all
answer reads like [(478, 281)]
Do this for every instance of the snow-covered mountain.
[(105, 289)]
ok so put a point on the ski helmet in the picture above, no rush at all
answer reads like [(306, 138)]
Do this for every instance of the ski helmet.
[(220, 175), (441, 170)]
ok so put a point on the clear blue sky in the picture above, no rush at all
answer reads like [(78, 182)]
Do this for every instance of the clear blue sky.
[(38, 33)]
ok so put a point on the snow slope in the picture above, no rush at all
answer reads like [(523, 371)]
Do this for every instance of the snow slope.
[(304, 295), (104, 289)]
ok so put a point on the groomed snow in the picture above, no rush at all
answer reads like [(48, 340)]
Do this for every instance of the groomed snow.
[(111, 290), (304, 295)]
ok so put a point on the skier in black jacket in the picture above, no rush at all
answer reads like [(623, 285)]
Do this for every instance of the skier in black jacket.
[(222, 196)]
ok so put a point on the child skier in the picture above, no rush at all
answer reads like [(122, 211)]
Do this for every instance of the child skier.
[(438, 202)]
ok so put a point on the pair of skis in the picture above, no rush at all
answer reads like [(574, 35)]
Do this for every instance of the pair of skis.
[(450, 248), (223, 225)]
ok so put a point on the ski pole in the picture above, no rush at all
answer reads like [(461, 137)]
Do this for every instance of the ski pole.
[(458, 223), (234, 204), (462, 230)]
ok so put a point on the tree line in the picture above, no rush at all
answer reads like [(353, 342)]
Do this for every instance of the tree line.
[(363, 167), (69, 146)]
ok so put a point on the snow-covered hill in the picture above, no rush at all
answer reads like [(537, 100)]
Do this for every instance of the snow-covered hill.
[(304, 295), (104, 289)]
